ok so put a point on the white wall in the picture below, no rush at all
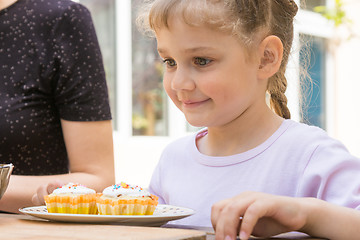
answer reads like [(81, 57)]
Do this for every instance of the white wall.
[(136, 157), (347, 82)]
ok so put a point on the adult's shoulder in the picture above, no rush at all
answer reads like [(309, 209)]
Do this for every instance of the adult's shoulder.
[(52, 9)]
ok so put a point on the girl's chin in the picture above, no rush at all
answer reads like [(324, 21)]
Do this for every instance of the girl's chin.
[(195, 123)]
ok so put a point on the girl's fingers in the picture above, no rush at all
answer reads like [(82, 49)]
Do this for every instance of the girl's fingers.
[(227, 224), (251, 209), (270, 215), (257, 210), (216, 211), (228, 220)]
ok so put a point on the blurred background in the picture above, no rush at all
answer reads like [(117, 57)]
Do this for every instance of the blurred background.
[(326, 43)]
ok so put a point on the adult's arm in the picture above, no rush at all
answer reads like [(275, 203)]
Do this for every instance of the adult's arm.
[(91, 158)]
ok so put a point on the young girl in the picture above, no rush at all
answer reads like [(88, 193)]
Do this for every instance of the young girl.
[(222, 57)]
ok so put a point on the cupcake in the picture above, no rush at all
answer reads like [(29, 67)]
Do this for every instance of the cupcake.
[(72, 198), (125, 199)]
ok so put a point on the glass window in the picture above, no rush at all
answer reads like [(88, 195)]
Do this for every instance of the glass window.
[(312, 57), (310, 4), (149, 103)]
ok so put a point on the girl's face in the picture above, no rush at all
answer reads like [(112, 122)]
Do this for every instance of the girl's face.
[(207, 74)]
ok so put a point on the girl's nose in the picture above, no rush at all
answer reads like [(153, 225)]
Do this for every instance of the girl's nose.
[(182, 80)]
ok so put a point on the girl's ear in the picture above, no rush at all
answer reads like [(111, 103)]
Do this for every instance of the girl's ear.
[(270, 56)]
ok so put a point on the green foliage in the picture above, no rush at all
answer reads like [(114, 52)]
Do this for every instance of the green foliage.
[(336, 14)]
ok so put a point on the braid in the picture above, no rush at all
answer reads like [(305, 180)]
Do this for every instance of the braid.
[(282, 14), (278, 99), (276, 17)]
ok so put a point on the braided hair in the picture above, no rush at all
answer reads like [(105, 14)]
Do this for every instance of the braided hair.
[(275, 17)]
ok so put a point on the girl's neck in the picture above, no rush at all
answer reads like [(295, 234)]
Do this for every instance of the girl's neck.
[(244, 133), (6, 3)]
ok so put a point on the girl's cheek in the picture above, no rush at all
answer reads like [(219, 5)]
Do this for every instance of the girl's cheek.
[(170, 92), (167, 85)]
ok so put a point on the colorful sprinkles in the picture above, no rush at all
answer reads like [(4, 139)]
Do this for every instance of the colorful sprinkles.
[(126, 186), (72, 185)]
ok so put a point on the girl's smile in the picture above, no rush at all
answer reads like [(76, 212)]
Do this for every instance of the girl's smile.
[(193, 103)]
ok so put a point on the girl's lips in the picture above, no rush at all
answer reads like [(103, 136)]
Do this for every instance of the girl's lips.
[(191, 104)]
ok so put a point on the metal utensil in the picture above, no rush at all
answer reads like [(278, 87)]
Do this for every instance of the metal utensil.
[(5, 173)]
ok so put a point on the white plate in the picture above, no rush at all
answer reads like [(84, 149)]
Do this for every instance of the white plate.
[(162, 214)]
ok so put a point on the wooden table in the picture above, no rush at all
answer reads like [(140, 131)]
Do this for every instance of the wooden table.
[(210, 235), (19, 226), (16, 227)]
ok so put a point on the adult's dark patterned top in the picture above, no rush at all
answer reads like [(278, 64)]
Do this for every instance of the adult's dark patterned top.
[(50, 69)]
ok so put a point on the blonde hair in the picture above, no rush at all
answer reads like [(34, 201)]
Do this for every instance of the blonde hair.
[(243, 18)]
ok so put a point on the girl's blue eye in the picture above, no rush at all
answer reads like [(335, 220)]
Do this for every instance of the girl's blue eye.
[(201, 61), (170, 62)]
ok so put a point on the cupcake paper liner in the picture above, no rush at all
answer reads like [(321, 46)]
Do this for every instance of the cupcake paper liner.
[(74, 204), (127, 206)]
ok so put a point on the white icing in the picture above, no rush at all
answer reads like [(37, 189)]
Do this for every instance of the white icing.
[(124, 189), (73, 189)]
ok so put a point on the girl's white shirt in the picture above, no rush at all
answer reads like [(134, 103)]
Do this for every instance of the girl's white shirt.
[(297, 160)]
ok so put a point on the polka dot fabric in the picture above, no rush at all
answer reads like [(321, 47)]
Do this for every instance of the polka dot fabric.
[(50, 69)]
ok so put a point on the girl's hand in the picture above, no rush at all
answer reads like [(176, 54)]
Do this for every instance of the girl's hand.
[(46, 189), (259, 214)]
